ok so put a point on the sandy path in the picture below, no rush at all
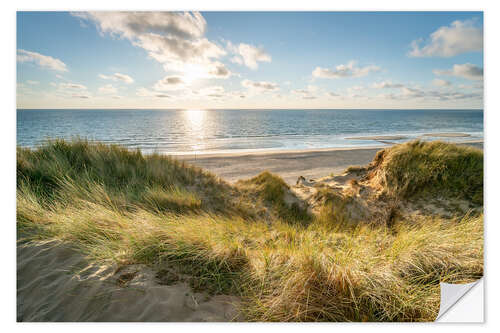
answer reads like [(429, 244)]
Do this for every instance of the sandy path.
[(56, 283)]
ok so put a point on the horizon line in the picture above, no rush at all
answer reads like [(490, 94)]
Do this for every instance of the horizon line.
[(257, 109)]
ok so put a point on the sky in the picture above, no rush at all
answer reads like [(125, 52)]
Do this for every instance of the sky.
[(250, 60)]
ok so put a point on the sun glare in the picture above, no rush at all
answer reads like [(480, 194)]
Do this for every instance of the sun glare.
[(193, 72), (195, 118)]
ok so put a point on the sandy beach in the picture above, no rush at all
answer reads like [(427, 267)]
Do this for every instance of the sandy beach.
[(287, 164)]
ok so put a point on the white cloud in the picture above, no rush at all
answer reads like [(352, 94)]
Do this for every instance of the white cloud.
[(260, 85), (476, 86), (32, 82), (77, 95), (117, 77), (41, 60), (218, 70), (131, 24), (441, 83), (248, 55), (412, 92), (108, 89), (310, 92), (467, 71), (123, 77), (387, 85), (344, 71), (355, 88), (174, 39), (71, 90), (237, 60), (73, 86), (238, 94), (143, 92), (449, 41), (214, 92), (170, 83)]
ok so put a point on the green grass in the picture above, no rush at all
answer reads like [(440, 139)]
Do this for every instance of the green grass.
[(271, 190), (423, 168), (122, 206)]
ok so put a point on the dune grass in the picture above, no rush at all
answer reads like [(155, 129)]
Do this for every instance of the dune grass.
[(121, 206), (423, 168), (271, 190)]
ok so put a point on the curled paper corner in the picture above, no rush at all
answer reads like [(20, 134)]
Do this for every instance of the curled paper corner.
[(452, 295)]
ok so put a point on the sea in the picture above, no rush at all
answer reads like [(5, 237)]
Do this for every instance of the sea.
[(227, 131)]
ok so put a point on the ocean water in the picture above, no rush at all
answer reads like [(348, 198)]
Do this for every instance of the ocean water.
[(216, 131)]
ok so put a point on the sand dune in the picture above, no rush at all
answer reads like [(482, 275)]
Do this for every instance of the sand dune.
[(56, 283)]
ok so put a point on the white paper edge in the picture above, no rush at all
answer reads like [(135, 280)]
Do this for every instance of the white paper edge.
[(462, 303)]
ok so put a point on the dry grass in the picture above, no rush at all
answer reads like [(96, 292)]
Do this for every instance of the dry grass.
[(122, 206)]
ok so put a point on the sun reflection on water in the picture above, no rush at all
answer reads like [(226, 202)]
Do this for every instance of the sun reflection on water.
[(195, 120)]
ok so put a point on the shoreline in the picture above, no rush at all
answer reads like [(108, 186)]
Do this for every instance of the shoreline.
[(380, 145), (289, 165)]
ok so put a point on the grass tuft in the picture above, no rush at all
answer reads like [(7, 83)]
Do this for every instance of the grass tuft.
[(420, 168), (273, 191)]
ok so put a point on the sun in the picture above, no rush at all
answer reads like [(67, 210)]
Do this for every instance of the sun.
[(193, 72)]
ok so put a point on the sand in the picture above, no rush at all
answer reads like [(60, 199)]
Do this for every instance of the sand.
[(287, 164), (56, 283)]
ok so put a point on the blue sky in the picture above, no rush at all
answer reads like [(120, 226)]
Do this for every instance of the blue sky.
[(250, 60)]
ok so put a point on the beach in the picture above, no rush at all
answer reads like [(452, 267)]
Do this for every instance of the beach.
[(289, 165)]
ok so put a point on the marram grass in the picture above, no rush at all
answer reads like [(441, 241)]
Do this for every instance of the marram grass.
[(118, 205)]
